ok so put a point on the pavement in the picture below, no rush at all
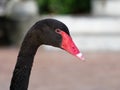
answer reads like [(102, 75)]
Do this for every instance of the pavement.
[(58, 70)]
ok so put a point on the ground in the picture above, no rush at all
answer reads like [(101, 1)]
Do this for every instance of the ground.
[(61, 71)]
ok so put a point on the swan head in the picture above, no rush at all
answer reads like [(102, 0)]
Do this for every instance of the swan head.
[(55, 33)]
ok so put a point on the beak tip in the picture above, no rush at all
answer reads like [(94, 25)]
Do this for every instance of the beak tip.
[(80, 56)]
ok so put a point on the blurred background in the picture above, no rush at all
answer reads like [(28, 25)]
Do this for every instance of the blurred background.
[(95, 28)]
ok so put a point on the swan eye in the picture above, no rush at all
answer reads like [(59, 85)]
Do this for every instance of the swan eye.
[(57, 30)]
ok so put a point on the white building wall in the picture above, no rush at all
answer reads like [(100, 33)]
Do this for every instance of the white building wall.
[(99, 32), (93, 33), (106, 7)]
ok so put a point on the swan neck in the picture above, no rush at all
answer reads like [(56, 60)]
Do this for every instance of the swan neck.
[(21, 74)]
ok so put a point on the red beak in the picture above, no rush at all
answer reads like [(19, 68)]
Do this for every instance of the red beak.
[(68, 45)]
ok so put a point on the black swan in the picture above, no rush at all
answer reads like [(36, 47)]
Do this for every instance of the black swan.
[(49, 32)]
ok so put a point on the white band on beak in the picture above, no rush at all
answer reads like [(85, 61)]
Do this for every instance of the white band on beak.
[(79, 55)]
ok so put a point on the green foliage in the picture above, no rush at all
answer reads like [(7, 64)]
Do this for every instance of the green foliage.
[(64, 6)]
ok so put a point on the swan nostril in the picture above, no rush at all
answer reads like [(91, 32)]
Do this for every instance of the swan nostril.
[(74, 50), (73, 47)]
